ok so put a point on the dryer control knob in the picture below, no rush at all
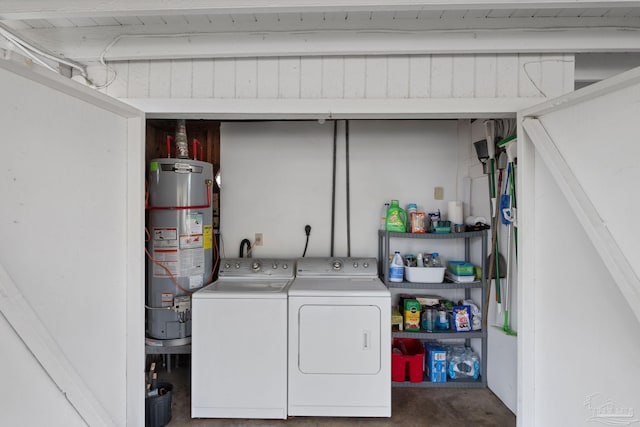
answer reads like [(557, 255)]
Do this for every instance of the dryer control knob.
[(337, 265), (355, 265), (274, 266), (285, 266), (256, 266), (227, 265), (365, 264), (237, 265)]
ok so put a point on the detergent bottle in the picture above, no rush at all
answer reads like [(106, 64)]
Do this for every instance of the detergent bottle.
[(396, 268), (396, 218)]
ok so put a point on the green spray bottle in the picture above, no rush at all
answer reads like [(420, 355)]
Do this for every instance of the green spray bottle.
[(396, 218)]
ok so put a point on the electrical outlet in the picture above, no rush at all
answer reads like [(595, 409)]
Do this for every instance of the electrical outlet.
[(438, 193), (258, 239)]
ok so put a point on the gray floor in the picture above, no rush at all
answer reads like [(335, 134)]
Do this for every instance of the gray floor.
[(410, 407)]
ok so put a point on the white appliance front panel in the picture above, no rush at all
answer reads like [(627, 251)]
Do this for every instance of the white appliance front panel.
[(354, 350), (239, 358), (348, 394)]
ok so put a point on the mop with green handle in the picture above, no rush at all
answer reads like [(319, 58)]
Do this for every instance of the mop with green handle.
[(508, 213)]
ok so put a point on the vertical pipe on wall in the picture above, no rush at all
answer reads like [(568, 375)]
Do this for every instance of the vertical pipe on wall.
[(333, 188), (346, 131)]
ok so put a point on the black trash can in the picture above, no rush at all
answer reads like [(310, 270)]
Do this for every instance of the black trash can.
[(157, 409)]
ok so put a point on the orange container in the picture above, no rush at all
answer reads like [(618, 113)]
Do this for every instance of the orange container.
[(407, 362)]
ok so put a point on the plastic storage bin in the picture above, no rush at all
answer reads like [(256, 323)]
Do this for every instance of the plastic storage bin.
[(461, 268), (157, 409), (424, 274), (407, 360)]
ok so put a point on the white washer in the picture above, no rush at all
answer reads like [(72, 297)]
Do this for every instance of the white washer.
[(239, 341), (339, 339)]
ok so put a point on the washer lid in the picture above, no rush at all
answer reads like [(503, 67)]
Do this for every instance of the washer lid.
[(237, 288), (343, 287)]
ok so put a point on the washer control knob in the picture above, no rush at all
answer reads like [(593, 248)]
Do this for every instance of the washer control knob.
[(227, 265), (365, 264), (337, 265), (237, 265), (255, 266), (274, 265), (355, 265), (285, 266)]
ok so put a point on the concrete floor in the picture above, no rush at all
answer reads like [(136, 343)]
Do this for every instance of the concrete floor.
[(410, 407)]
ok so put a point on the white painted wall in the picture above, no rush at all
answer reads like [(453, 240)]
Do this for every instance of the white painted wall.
[(277, 177), (71, 268), (579, 305), (342, 77)]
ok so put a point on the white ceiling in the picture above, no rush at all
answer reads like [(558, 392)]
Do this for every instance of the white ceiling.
[(151, 29)]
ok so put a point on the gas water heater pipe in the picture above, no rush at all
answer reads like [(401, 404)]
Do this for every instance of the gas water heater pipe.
[(195, 143)]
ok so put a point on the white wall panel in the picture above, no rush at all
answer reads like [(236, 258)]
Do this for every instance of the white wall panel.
[(507, 71), (121, 72), (268, 84), (422, 152), (160, 79), (351, 77), (553, 75), (224, 78), (354, 81), (441, 76), (332, 77), (530, 75), (289, 78), (311, 72), (246, 78), (486, 79), (398, 77), (138, 82), (419, 76), (376, 77), (202, 78), (181, 79), (463, 76)]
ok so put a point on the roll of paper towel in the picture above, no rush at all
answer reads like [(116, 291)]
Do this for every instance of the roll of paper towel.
[(455, 212)]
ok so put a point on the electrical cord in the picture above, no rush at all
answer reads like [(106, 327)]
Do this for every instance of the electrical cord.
[(159, 264), (216, 252), (307, 230), (243, 243)]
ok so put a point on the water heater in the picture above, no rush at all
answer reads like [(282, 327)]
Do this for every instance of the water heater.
[(180, 243)]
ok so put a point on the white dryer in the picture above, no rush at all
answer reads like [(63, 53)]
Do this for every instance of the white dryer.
[(339, 339), (239, 341)]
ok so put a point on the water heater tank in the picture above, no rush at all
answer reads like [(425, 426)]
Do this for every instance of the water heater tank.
[(180, 243)]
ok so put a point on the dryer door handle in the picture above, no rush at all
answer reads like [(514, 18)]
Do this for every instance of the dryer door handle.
[(366, 345)]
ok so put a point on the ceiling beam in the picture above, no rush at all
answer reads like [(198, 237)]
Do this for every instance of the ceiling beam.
[(46, 9), (90, 45)]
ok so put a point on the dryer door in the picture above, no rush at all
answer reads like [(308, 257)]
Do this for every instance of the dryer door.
[(339, 339)]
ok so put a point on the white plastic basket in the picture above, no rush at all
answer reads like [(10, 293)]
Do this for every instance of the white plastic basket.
[(424, 274)]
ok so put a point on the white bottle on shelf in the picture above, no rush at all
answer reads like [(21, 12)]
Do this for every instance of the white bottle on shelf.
[(396, 269), (383, 216)]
